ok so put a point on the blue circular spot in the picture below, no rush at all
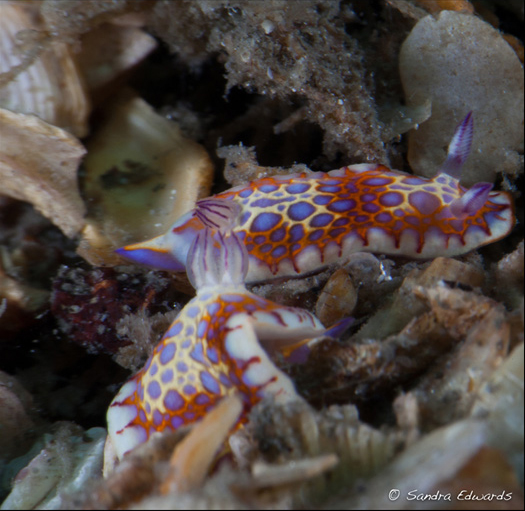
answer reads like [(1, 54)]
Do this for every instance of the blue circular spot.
[(314, 236), (154, 390), (279, 251), (153, 370), (201, 329), (322, 200), (278, 234), (297, 188), (173, 401), (334, 233), (157, 418), (265, 248), (245, 217), (213, 308), (296, 233), (167, 376), (246, 192), (182, 367), (342, 205), (212, 355), (259, 240), (329, 189), (177, 422), (370, 207), (210, 383), (189, 390), (341, 221), (174, 329), (202, 399), (377, 181), (321, 220), (384, 217), (265, 222), (268, 188), (300, 210), (167, 353)]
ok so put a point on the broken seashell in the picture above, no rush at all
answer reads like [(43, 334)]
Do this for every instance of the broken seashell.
[(141, 174), (68, 459), (108, 53), (38, 164), (406, 305), (42, 78)]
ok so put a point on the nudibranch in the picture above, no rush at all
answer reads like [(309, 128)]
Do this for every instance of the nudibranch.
[(213, 348), (299, 223)]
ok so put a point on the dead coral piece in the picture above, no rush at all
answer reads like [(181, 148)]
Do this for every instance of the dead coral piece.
[(133, 478), (39, 77), (68, 461), (297, 432), (292, 50), (241, 166), (141, 174), (406, 305), (339, 372), (463, 64), (420, 468), (500, 403), (45, 176), (144, 330), (508, 277), (447, 391)]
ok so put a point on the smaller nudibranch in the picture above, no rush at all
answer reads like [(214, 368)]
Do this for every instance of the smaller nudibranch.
[(297, 224), (213, 348)]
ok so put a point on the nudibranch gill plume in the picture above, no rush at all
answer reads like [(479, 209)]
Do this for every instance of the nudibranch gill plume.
[(213, 348), (299, 223)]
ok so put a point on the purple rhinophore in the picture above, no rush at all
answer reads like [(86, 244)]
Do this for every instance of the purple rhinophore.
[(471, 201), (459, 147)]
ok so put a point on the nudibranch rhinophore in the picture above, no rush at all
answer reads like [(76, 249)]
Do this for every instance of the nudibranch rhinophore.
[(213, 348), (297, 224)]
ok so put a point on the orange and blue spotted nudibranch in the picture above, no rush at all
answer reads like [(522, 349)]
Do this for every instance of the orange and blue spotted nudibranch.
[(297, 224), (219, 344)]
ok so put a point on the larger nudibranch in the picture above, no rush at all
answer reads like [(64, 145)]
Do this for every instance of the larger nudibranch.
[(299, 223), (212, 349)]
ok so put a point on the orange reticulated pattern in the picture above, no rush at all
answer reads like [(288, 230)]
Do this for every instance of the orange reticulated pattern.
[(191, 368), (282, 217)]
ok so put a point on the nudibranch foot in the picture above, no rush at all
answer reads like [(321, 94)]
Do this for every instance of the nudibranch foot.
[(218, 345), (299, 224)]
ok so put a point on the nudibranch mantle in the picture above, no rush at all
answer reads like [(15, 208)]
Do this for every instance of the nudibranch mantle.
[(212, 349), (297, 224)]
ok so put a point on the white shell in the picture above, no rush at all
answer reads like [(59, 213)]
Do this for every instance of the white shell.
[(42, 74)]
